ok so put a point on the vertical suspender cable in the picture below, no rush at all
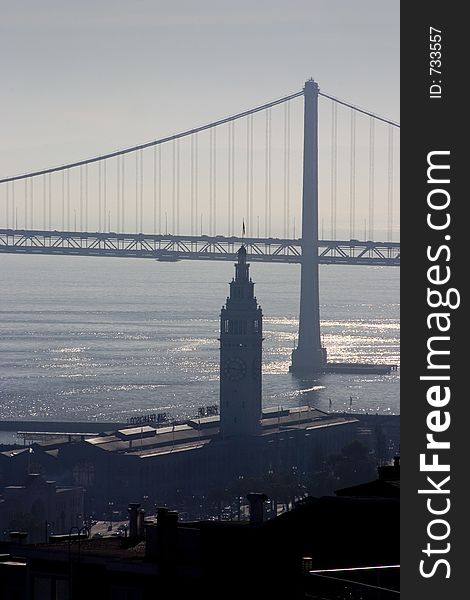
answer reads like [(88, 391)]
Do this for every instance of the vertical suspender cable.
[(123, 192), (26, 204), (177, 186), (371, 176), (286, 169), (266, 175), (7, 223), (160, 230), (269, 171), (390, 185), (196, 182), (211, 190), (267, 183), (285, 173), (233, 176), (229, 175), (31, 209), (118, 188), (50, 201), (352, 177), (141, 190), (248, 152), (251, 176), (214, 185), (334, 155), (68, 199), (136, 192), (173, 191), (118, 195), (100, 185), (104, 193), (191, 161), (13, 208), (86, 197), (81, 199), (155, 189), (44, 212), (63, 199)]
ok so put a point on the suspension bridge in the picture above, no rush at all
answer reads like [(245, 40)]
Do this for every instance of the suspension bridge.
[(254, 177)]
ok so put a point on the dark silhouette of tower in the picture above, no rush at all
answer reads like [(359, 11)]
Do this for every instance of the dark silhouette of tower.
[(309, 356), (241, 340)]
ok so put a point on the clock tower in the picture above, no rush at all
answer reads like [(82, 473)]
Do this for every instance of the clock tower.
[(241, 340)]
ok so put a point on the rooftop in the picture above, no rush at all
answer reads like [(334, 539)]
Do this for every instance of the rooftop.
[(148, 441)]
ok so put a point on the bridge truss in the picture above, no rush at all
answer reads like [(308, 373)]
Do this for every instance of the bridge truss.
[(180, 247)]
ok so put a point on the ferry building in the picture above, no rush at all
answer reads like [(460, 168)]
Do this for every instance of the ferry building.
[(191, 458)]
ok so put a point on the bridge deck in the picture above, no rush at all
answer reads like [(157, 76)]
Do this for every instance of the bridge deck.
[(180, 247)]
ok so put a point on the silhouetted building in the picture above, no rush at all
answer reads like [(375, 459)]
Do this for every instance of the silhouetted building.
[(39, 507), (386, 486), (218, 560), (241, 338)]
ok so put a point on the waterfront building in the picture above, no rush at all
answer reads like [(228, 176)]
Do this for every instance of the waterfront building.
[(183, 463)]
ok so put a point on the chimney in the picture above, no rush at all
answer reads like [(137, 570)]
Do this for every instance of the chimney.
[(256, 507), (166, 536), (133, 519), (140, 522)]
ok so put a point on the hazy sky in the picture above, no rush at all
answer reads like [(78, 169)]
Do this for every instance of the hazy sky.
[(80, 78)]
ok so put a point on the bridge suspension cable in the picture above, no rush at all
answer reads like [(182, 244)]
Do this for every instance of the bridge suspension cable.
[(359, 109), (163, 140), (194, 182), (355, 189)]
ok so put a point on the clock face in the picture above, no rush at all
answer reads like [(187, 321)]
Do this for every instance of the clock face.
[(234, 369)]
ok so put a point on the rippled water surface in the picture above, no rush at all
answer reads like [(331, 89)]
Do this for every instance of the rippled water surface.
[(106, 338)]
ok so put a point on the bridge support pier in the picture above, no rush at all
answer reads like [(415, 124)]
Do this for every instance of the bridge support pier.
[(309, 356)]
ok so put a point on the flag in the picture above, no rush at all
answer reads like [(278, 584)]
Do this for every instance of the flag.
[(243, 227)]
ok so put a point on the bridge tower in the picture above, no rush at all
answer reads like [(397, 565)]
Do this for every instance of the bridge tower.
[(309, 356), (241, 338)]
